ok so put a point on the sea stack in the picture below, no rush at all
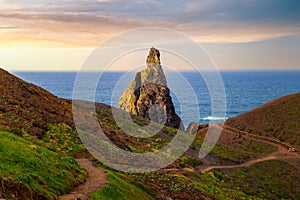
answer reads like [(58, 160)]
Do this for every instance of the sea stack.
[(148, 95)]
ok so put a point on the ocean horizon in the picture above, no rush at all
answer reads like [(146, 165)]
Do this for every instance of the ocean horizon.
[(245, 90)]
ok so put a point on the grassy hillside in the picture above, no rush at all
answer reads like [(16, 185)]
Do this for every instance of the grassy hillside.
[(182, 179), (278, 119), (27, 107), (29, 171), (121, 187), (266, 180), (39, 137)]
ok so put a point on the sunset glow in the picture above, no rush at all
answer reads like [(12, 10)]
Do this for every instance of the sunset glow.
[(239, 35)]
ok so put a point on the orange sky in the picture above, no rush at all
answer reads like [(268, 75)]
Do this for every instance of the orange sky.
[(59, 35)]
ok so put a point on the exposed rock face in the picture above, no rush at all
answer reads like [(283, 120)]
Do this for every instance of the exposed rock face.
[(194, 127), (148, 95)]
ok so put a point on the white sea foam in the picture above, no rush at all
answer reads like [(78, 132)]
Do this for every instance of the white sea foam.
[(212, 118)]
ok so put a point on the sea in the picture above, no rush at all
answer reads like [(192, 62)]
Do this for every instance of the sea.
[(244, 90)]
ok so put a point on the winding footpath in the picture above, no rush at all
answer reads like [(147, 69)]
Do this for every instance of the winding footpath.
[(97, 178), (282, 152), (246, 164)]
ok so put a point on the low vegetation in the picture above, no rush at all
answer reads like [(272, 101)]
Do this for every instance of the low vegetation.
[(120, 186), (278, 119), (177, 184), (241, 153), (266, 180), (30, 171), (38, 146), (62, 138)]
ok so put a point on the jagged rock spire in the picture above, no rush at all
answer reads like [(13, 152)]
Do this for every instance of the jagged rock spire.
[(149, 91), (154, 72), (153, 57)]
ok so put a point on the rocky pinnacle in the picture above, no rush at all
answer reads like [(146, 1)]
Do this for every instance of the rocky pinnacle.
[(148, 95)]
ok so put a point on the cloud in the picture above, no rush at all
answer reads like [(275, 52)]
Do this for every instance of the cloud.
[(8, 27), (87, 22)]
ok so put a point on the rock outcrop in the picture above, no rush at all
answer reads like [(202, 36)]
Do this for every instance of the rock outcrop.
[(195, 127), (148, 95)]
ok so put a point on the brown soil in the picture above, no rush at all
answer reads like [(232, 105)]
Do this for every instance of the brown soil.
[(96, 179), (279, 119), (24, 106), (29, 107), (281, 153), (18, 191)]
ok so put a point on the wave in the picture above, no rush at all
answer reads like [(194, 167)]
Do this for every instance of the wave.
[(212, 118)]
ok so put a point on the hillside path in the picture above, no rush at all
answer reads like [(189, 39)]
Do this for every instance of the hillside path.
[(96, 179), (246, 164), (280, 154)]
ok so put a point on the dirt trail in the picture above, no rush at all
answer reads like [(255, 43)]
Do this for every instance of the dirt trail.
[(96, 179), (246, 164), (280, 154)]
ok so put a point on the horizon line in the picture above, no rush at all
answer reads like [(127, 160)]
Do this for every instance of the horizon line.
[(222, 70)]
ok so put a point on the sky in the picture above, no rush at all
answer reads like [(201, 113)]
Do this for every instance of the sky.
[(237, 34)]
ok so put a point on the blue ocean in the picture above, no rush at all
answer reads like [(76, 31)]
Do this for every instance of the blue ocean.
[(244, 90)]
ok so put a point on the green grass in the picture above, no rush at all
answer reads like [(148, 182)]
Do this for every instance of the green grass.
[(218, 184), (244, 151), (35, 169), (61, 138), (229, 153), (267, 180), (120, 187), (185, 161), (194, 185)]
